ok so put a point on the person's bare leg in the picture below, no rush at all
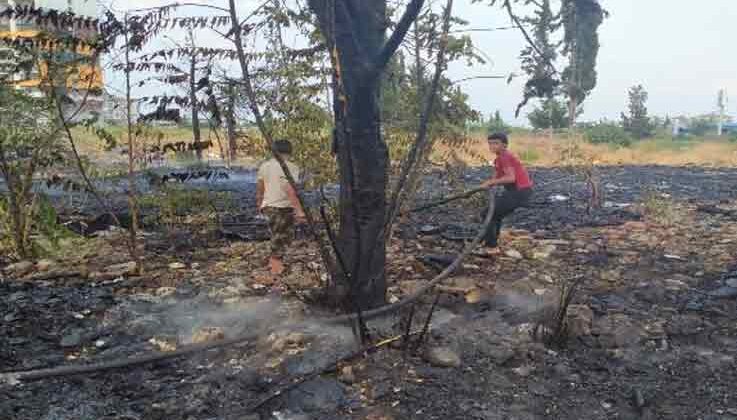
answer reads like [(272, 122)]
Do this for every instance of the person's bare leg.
[(276, 265)]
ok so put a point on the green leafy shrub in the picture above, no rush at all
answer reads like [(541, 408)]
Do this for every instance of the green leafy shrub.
[(607, 133), (177, 205)]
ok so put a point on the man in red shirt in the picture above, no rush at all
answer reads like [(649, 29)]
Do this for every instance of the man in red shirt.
[(509, 172)]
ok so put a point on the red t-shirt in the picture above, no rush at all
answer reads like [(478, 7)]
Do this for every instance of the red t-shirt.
[(508, 160)]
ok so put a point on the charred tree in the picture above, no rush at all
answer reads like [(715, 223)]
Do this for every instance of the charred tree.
[(355, 32)]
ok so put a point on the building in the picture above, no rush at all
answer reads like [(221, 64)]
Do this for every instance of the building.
[(729, 127), (84, 83), (115, 111)]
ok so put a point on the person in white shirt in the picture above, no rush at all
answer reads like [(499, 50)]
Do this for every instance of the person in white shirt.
[(277, 200)]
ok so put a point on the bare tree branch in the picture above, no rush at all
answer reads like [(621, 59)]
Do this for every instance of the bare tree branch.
[(516, 20), (466, 79), (395, 40), (399, 193)]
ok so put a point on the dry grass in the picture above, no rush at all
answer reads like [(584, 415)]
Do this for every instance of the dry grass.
[(544, 151), (533, 150)]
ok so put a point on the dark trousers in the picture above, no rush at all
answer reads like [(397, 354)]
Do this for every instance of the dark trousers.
[(504, 204)]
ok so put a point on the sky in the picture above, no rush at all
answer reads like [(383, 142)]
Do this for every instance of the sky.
[(679, 50)]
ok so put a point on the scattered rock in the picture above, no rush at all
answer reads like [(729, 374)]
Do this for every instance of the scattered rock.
[(616, 331), (731, 282), (579, 319), (163, 344), (474, 296), (20, 268), (72, 339), (177, 266), (675, 285), (207, 334), (632, 225), (279, 343), (725, 292), (513, 253), (443, 357), (347, 376), (115, 271), (592, 248), (45, 265), (17, 297), (544, 252), (227, 292), (165, 291), (685, 325), (317, 395), (524, 370), (463, 282), (429, 230), (562, 370), (501, 353), (638, 399)]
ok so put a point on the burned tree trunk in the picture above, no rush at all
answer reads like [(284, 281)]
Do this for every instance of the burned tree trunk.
[(355, 32)]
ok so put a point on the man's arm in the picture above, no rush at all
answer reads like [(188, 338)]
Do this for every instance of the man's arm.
[(260, 188), (510, 177), (299, 211)]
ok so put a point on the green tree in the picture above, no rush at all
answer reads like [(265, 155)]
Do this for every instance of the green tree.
[(497, 124), (551, 113), (538, 57), (28, 144), (581, 21), (637, 122)]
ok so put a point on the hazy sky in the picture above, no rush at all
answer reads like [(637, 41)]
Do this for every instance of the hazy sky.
[(680, 50)]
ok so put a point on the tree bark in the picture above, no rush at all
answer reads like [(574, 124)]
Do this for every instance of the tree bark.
[(196, 132), (363, 156), (355, 32), (231, 124)]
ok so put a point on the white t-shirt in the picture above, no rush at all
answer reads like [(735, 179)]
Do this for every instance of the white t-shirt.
[(275, 183)]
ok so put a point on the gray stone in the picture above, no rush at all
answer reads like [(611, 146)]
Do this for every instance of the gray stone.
[(17, 296), (695, 305), (45, 265), (725, 292), (544, 252), (513, 253), (288, 415), (501, 354), (429, 229), (731, 282), (443, 357), (20, 268), (319, 394), (347, 376), (579, 320), (562, 370), (616, 331), (72, 339)]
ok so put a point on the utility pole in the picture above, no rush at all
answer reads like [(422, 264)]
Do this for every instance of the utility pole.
[(721, 104)]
